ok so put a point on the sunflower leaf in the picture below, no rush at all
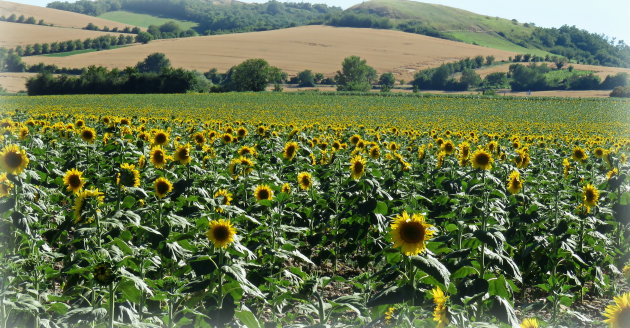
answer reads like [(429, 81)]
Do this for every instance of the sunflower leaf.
[(433, 267)]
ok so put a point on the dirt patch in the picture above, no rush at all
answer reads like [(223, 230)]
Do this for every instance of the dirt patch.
[(318, 48)]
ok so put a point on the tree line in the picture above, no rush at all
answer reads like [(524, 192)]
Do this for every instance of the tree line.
[(99, 43), (22, 20), (127, 29)]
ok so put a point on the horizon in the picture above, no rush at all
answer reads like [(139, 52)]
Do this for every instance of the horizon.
[(593, 17)]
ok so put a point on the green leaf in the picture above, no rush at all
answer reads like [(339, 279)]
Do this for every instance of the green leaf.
[(505, 312), (498, 287), (246, 317), (433, 268), (381, 208), (128, 202)]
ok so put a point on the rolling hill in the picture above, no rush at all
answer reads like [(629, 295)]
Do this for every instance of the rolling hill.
[(15, 34), (59, 18), (319, 48)]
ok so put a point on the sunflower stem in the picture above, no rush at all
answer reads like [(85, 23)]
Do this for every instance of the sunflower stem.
[(112, 298), (220, 287)]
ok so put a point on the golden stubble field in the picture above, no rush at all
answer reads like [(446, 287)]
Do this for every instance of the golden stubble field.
[(16, 34), (56, 17), (318, 48)]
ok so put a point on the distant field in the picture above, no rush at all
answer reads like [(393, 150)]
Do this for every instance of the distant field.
[(55, 17), (14, 34), (319, 48), (601, 71), (496, 42), (143, 20)]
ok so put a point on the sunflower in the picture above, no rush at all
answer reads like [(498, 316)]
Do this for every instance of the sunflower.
[(411, 233), (88, 135), (290, 150), (389, 314), (221, 233), (5, 185), (579, 155), (227, 138), (529, 323), (566, 167), (357, 167), (514, 184), (464, 153), (226, 198), (612, 173), (440, 159), (199, 138), (74, 180), (240, 166), (182, 154), (14, 159), (23, 133), (162, 187), (79, 203), (481, 160), (160, 138), (128, 176), (142, 161), (421, 152), (522, 158), (305, 180), (263, 192), (286, 188), (440, 314), (79, 123), (599, 152), (247, 150), (241, 132), (393, 146), (158, 157), (618, 314), (590, 195), (448, 147), (103, 274), (355, 139)]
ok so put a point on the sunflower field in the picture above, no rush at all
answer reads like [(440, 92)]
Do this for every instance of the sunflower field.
[(271, 210)]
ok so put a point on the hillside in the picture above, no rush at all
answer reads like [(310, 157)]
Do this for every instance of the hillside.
[(143, 20), (59, 18), (319, 48), (15, 34)]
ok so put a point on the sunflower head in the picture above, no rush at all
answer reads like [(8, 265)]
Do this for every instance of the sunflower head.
[(227, 138), (618, 314), (221, 233), (590, 195), (599, 152), (81, 202), (23, 133), (481, 159), (225, 197), (579, 155), (103, 274), (286, 188), (514, 183), (160, 138), (5, 185), (162, 187), (355, 139), (357, 167), (182, 154), (440, 313), (199, 138), (410, 233), (128, 176), (13, 159), (375, 152), (88, 135), (448, 147), (247, 150), (305, 180), (522, 158), (290, 150), (241, 132), (74, 180), (263, 192), (158, 157), (529, 323)]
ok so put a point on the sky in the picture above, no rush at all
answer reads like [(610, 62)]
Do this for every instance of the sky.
[(609, 17)]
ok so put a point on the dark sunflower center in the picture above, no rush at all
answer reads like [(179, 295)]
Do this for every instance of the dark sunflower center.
[(160, 138), (290, 151), (74, 181), (590, 195), (412, 232), (126, 178), (183, 153), (162, 187), (515, 183), (87, 135), (358, 167), (221, 233), (241, 133), (599, 152), (448, 147), (263, 194), (578, 154), (199, 139), (482, 159), (306, 181), (158, 157), (13, 160)]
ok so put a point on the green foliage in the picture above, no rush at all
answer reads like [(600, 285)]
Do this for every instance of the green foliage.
[(10, 61), (155, 63), (306, 78), (355, 75), (251, 75), (386, 81), (496, 80), (144, 37), (621, 92)]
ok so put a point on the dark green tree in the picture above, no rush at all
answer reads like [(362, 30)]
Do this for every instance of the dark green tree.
[(155, 62), (251, 75), (306, 78), (355, 75), (386, 81), (144, 37)]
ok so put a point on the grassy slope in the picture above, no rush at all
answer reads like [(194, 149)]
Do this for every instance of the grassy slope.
[(143, 20), (461, 24)]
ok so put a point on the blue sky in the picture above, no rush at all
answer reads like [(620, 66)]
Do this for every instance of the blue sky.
[(610, 17)]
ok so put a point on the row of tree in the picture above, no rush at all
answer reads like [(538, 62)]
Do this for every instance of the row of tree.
[(127, 29), (168, 30), (442, 77), (538, 77), (99, 43), (21, 19)]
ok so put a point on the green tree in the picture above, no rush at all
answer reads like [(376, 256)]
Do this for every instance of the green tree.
[(144, 37), (386, 81), (355, 75), (306, 78), (155, 62), (30, 20), (252, 75), (489, 60), (470, 79)]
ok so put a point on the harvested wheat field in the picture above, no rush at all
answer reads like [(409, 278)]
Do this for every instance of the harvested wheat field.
[(318, 48), (601, 71), (15, 82), (56, 17), (15, 34)]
